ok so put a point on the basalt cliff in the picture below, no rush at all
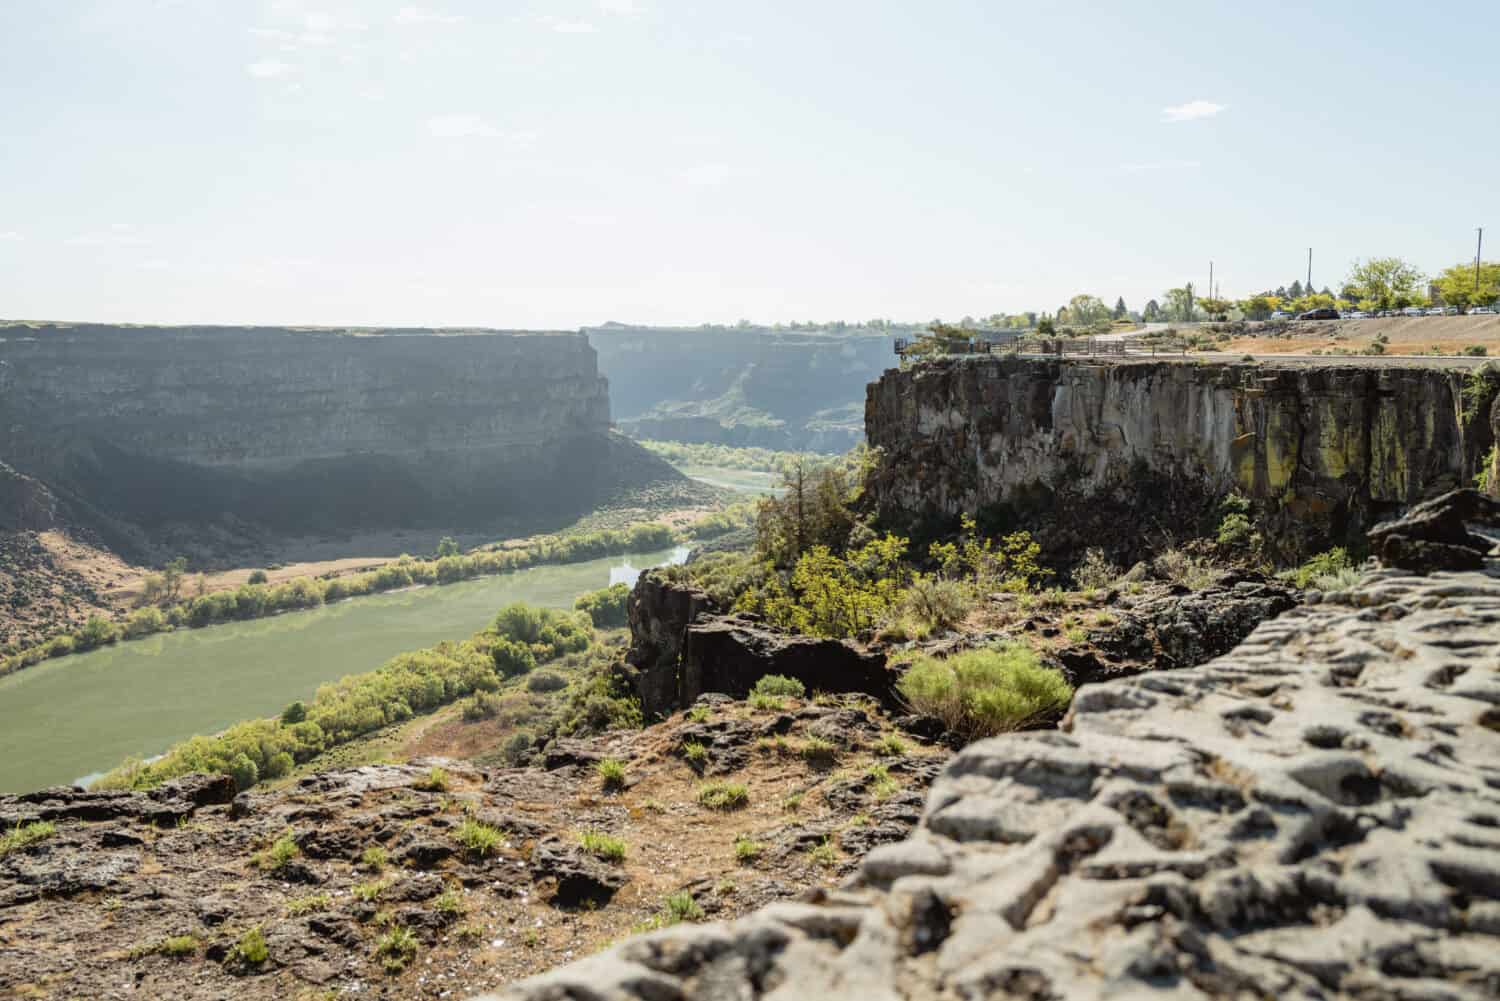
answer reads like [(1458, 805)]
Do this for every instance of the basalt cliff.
[(1116, 453), (299, 430)]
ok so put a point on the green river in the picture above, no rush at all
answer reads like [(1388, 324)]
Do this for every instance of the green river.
[(74, 717)]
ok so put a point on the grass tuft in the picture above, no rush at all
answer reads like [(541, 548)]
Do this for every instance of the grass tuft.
[(747, 850), (611, 772), (603, 846), (724, 795), (23, 835), (396, 949), (479, 840), (436, 780), (308, 905), (279, 854)]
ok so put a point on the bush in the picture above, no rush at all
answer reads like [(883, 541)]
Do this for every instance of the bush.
[(1235, 531), (933, 604), (251, 948), (484, 705), (395, 949), (1476, 351), (546, 681), (296, 712), (243, 771), (746, 850), (258, 577), (605, 607), (682, 907), (144, 622), (724, 795), (1095, 571), (511, 658), (980, 693), (96, 632), (779, 686), (611, 772), (1328, 571), (1181, 568)]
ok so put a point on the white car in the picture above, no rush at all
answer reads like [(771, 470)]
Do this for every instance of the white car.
[(1359, 314), (1413, 311), (1481, 311), (1279, 315), (1435, 311)]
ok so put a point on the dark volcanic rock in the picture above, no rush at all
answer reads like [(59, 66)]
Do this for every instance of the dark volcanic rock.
[(1435, 535), (581, 878)]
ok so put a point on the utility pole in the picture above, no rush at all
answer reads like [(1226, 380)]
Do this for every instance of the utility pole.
[(1478, 249), (1210, 278), (1309, 271)]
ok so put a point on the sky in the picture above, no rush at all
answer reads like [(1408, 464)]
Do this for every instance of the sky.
[(557, 164)]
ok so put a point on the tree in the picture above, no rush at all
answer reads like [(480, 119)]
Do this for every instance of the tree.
[(1085, 310), (1180, 303), (1456, 284), (1386, 282), (1217, 309), (1120, 312), (1295, 291), (1152, 312), (172, 575), (447, 546), (1258, 307)]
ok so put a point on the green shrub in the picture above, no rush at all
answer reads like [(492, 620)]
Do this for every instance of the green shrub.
[(449, 903), (23, 835), (611, 772), (373, 858), (606, 606), (1095, 571), (479, 840), (746, 850), (694, 753), (295, 712), (281, 764), (890, 746), (825, 853), (281, 851), (251, 948), (396, 949), (764, 702), (369, 892), (144, 622), (1184, 569), (1331, 570), (484, 705), (177, 946), (724, 795), (543, 682), (819, 750), (308, 905), (258, 577), (1476, 350), (980, 693), (779, 686), (96, 632), (698, 714), (1235, 531), (603, 846), (882, 785), (682, 907), (512, 658), (932, 604)]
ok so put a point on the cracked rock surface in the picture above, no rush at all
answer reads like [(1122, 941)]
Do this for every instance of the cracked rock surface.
[(1313, 815)]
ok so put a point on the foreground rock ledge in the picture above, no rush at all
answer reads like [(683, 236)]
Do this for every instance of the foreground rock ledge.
[(1314, 815)]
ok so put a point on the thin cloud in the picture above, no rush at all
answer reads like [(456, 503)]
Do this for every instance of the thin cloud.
[(120, 234), (425, 15), (1192, 111), (268, 69), (626, 7), (11, 236), (567, 27), (706, 175), (465, 125), (1162, 165)]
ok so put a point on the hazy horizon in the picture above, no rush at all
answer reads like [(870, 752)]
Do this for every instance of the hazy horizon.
[(557, 165)]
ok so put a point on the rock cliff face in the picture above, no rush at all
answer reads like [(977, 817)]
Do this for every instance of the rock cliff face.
[(1314, 815), (301, 429), (745, 386), (1324, 451)]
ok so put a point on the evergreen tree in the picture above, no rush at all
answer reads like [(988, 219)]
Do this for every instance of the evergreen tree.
[(1120, 310), (1296, 290)]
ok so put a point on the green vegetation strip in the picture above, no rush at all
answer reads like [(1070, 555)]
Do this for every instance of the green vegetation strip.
[(257, 600), (406, 685)]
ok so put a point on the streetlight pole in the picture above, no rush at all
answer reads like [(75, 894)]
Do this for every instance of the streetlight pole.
[(1478, 249)]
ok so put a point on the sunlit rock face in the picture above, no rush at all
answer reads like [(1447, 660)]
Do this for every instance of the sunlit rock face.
[(1323, 450), (298, 429)]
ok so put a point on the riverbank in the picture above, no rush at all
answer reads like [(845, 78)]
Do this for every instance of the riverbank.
[(73, 717)]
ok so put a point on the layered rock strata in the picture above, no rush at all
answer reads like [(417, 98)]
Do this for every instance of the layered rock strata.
[(1324, 451), (300, 429), (1314, 815)]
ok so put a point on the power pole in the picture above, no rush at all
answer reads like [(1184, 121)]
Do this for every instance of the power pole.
[(1478, 249), (1309, 270), (1210, 278)]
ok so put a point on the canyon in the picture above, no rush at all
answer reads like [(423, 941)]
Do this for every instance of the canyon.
[(135, 431)]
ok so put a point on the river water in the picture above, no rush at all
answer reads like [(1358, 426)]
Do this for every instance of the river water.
[(74, 717)]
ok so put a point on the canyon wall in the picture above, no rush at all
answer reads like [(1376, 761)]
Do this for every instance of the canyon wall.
[(755, 386), (298, 429), (1322, 450)]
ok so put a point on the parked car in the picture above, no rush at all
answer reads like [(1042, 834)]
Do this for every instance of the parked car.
[(1281, 315), (1482, 311), (1435, 311), (1326, 313), (1414, 311), (1359, 314), (1450, 310)]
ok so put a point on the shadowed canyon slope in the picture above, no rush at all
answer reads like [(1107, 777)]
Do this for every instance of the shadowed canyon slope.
[(309, 430)]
